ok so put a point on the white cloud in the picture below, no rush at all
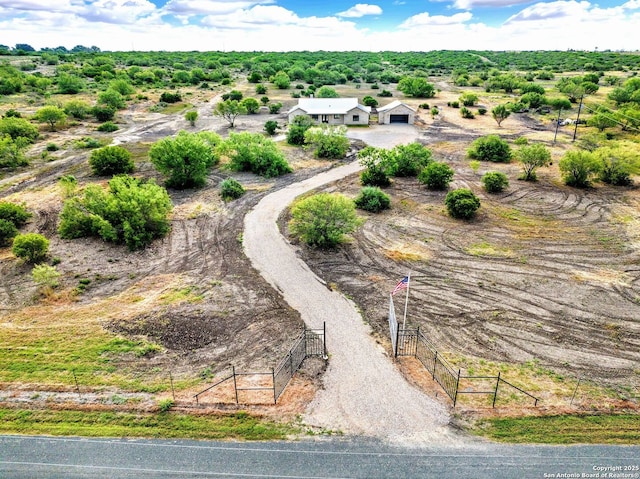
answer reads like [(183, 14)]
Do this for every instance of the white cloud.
[(470, 4), (427, 20), (207, 7), (261, 25), (360, 10), (549, 11)]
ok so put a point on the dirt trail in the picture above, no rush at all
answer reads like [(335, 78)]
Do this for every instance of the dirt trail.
[(363, 392)]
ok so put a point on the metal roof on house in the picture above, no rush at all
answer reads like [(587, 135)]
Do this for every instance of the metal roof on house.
[(392, 105), (328, 106)]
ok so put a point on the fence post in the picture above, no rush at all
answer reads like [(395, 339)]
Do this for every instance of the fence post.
[(415, 353), (173, 391), (455, 396), (273, 378), (324, 340), (75, 379), (235, 384), (495, 394), (395, 353), (574, 392), (435, 361)]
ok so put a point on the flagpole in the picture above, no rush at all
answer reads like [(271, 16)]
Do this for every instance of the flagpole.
[(406, 301)]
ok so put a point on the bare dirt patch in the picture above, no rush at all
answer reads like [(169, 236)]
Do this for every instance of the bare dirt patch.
[(544, 273)]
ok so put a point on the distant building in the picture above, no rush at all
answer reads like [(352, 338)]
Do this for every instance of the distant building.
[(396, 112), (332, 111)]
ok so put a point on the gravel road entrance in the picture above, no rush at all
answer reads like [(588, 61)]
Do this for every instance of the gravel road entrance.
[(363, 393)]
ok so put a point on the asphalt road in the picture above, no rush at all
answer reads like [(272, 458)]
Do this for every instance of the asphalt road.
[(23, 457)]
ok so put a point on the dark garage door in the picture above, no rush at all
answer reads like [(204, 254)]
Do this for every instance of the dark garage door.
[(399, 119)]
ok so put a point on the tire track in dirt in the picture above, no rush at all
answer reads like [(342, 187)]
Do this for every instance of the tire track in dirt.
[(556, 279)]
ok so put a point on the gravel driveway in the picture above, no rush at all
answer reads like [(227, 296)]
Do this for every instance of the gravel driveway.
[(364, 393)]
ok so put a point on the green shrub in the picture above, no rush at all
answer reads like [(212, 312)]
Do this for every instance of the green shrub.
[(111, 160), (191, 117), (16, 214), (324, 219), (68, 184), (103, 112), (328, 141), (255, 153), (377, 163), (495, 182), (88, 143), (7, 232), (490, 148), (187, 158), (466, 113), (166, 404), (462, 203), (77, 109), (230, 189), (372, 199), (31, 247), (251, 105), (167, 97), (274, 108), (482, 111), (45, 275), (409, 160), (52, 147), (18, 128), (130, 212), (108, 127), (436, 176), (270, 127), (12, 151), (297, 129), (579, 167)]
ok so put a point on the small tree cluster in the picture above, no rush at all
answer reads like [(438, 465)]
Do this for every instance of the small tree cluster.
[(328, 141), (255, 153), (324, 219), (532, 157), (31, 247), (111, 160), (495, 181), (130, 211), (462, 203), (187, 158), (436, 176), (297, 129), (372, 199), (490, 148), (231, 189), (12, 217)]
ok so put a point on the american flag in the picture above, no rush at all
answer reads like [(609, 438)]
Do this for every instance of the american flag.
[(402, 284)]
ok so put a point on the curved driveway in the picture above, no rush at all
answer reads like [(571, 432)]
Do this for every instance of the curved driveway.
[(364, 393)]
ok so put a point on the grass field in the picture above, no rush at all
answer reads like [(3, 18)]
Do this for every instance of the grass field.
[(586, 429), (239, 425)]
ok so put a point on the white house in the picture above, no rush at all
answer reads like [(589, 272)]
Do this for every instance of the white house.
[(396, 112), (332, 111)]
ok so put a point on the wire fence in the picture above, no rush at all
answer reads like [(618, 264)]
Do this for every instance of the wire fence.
[(268, 386), (412, 342)]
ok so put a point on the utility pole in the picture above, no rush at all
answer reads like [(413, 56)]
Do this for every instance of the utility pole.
[(557, 125), (575, 130)]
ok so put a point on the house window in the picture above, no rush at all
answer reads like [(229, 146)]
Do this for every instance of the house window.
[(314, 117), (356, 118), (337, 117)]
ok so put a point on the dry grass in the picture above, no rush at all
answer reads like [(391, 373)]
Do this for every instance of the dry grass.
[(407, 252), (603, 276), (44, 343)]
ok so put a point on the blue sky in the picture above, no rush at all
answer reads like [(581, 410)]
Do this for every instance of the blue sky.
[(284, 25)]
